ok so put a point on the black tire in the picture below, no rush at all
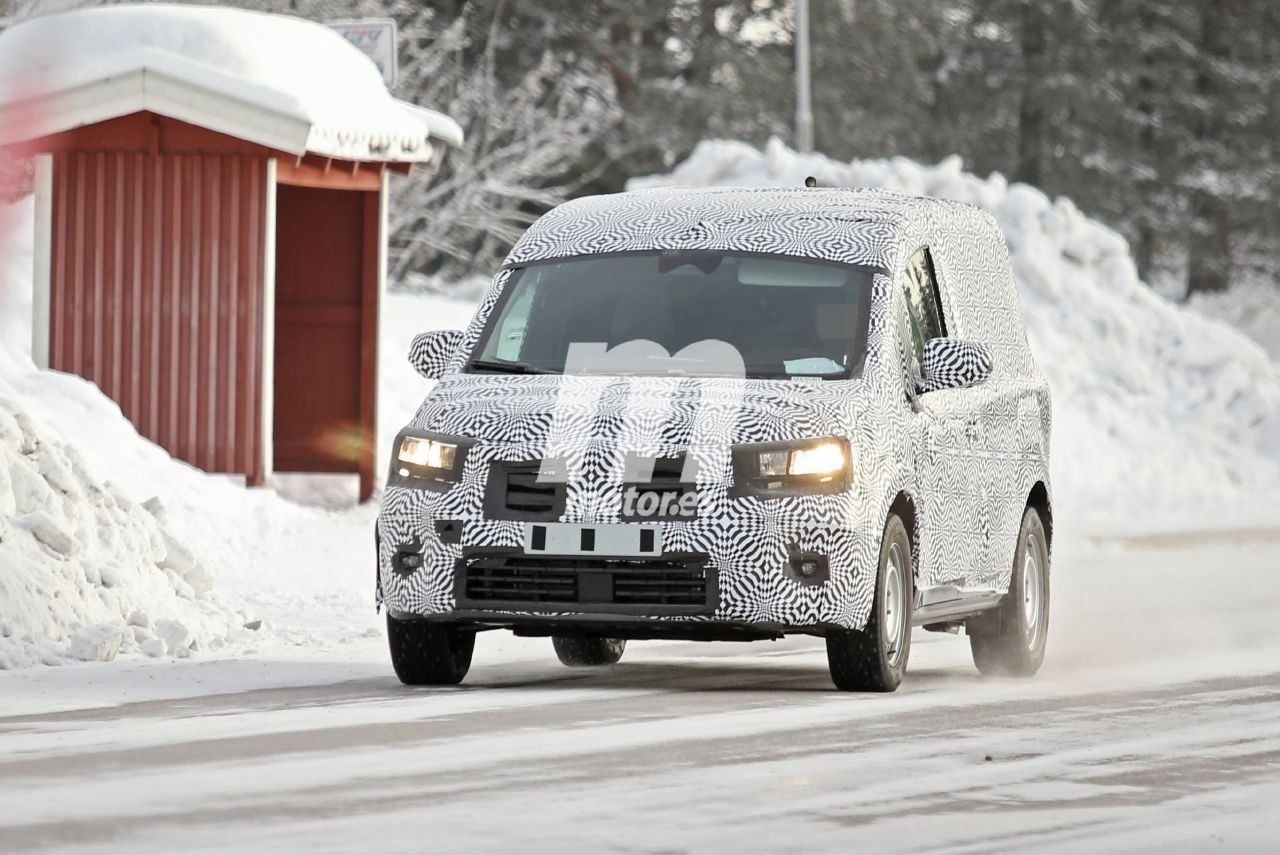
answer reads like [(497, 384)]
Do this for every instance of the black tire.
[(429, 654), (586, 651), (1011, 639), (875, 658)]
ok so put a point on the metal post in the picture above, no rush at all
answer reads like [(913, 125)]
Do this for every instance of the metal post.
[(804, 103)]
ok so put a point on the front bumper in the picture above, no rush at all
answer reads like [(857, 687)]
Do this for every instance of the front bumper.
[(632, 628), (745, 549)]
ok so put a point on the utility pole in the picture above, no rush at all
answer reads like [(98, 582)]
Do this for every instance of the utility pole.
[(804, 101)]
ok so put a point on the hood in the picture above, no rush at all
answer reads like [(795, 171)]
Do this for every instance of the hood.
[(644, 414)]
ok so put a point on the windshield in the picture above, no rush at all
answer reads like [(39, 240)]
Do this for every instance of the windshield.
[(694, 313)]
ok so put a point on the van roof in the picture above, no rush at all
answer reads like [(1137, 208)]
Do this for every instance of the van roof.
[(863, 202), (837, 224)]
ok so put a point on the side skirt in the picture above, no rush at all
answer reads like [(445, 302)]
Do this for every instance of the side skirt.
[(947, 603)]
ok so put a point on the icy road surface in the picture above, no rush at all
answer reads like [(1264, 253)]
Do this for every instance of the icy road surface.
[(1155, 725)]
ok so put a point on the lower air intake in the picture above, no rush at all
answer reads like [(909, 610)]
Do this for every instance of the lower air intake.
[(671, 585)]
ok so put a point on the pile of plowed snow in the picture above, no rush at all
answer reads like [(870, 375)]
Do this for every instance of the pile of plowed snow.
[(1161, 415), (296, 564), (1253, 307), (86, 572)]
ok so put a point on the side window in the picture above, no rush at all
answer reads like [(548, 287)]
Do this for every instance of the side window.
[(508, 341), (924, 306)]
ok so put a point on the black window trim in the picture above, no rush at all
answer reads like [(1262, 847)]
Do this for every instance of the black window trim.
[(911, 381), (937, 286)]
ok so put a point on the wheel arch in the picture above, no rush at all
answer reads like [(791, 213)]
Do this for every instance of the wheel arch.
[(905, 507), (1039, 499)]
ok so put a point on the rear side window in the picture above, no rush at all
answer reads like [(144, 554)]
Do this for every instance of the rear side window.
[(924, 308)]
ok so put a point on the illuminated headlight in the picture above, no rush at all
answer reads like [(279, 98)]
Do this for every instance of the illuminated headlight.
[(828, 457), (431, 453), (817, 466), (429, 461)]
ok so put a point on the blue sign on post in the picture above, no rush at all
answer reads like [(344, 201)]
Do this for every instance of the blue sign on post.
[(376, 37)]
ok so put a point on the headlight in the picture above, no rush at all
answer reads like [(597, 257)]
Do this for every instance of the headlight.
[(427, 460), (826, 458), (792, 468), (431, 453)]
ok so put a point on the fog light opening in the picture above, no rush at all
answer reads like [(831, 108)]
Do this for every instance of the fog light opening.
[(407, 561), (807, 568)]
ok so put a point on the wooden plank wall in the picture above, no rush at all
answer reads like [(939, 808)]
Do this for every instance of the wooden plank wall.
[(326, 333), (165, 313)]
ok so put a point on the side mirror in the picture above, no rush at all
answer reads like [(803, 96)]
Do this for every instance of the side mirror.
[(431, 351), (953, 363)]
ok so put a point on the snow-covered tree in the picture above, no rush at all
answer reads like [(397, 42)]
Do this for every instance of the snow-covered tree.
[(526, 149), (1159, 116)]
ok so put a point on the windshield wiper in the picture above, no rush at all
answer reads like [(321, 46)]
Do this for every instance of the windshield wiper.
[(507, 366)]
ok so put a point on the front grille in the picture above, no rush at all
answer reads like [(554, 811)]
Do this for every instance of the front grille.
[(658, 473), (503, 581), (680, 584), (660, 585), (668, 474), (514, 492), (526, 495)]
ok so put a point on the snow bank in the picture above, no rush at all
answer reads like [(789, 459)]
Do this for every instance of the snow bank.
[(297, 558), (86, 572), (1161, 415), (1253, 307)]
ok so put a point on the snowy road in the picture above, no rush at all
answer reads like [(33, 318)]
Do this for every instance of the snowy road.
[(1156, 724)]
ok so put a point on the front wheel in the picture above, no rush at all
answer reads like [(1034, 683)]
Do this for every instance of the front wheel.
[(1011, 639), (425, 653), (584, 651), (875, 658)]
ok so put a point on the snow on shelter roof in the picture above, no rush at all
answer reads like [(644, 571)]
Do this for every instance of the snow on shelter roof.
[(279, 81)]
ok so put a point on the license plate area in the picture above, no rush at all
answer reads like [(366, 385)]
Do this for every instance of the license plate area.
[(611, 539)]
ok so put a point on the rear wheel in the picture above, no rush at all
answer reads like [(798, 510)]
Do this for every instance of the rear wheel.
[(1011, 639), (424, 653), (584, 651), (875, 658)]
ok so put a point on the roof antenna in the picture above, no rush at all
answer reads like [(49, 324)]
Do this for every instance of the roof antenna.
[(810, 181)]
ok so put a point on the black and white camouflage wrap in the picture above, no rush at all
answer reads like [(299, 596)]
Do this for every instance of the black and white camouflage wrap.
[(431, 352), (966, 458), (952, 363)]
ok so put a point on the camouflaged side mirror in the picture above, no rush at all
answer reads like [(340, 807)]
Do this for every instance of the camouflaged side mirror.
[(953, 363), (430, 352)]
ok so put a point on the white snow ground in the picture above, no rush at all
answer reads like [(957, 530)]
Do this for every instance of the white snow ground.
[(1155, 724)]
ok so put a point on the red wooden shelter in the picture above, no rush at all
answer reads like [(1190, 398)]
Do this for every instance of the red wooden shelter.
[(214, 259)]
